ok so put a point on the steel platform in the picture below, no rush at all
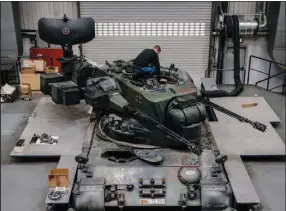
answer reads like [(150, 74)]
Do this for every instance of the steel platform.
[(242, 139), (241, 184), (68, 123), (238, 140), (262, 112)]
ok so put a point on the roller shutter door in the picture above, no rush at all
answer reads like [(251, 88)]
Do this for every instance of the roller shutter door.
[(124, 29)]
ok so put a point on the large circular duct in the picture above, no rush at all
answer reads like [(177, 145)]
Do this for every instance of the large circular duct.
[(248, 28)]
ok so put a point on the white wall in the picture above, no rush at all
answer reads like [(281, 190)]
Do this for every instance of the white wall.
[(8, 34), (31, 12)]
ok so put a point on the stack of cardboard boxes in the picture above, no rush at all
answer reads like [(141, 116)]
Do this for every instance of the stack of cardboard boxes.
[(31, 71)]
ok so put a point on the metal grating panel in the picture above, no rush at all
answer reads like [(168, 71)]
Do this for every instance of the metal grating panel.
[(241, 184), (242, 139), (146, 11), (150, 29), (124, 29), (47, 109), (262, 112), (69, 123)]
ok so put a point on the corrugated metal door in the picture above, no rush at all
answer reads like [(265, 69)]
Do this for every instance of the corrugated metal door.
[(124, 29)]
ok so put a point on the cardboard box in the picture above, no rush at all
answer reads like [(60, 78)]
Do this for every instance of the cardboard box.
[(28, 62), (58, 178), (29, 69), (32, 79), (26, 92), (51, 69), (25, 88), (39, 65)]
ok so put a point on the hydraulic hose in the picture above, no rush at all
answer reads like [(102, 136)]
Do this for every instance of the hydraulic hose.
[(232, 31)]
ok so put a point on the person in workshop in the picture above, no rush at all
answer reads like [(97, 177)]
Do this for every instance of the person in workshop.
[(147, 62)]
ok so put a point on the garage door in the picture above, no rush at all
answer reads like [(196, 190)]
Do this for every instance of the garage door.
[(124, 29)]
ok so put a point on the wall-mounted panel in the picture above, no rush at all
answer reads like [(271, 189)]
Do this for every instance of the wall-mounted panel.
[(31, 12)]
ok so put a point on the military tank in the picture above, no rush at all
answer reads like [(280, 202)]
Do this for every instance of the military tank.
[(152, 147)]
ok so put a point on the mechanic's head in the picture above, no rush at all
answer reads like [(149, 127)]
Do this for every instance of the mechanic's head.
[(157, 49)]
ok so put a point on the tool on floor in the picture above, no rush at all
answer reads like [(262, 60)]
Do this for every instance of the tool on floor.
[(44, 139), (247, 105), (57, 193)]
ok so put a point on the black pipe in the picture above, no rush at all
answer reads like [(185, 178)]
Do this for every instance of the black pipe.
[(232, 30), (212, 38), (220, 57), (26, 35), (223, 7), (78, 14), (28, 30), (17, 24), (236, 42)]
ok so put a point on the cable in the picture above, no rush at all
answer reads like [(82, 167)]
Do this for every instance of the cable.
[(232, 30), (57, 195)]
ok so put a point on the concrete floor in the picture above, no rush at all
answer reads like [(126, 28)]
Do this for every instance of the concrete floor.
[(24, 184)]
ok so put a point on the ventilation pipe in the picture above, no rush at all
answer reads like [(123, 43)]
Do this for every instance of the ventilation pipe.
[(232, 31)]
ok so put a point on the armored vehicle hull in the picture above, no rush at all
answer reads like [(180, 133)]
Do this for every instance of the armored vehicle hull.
[(180, 180), (152, 147)]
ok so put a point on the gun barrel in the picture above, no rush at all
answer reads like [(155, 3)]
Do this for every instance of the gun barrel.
[(256, 125), (137, 114)]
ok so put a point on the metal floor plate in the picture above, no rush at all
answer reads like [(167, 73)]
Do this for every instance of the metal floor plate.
[(47, 109), (262, 112), (241, 184), (69, 123), (242, 139)]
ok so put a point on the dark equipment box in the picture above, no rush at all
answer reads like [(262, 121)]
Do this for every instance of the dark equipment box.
[(59, 95), (47, 79), (71, 96)]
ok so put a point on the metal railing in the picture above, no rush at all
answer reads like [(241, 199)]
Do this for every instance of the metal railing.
[(269, 74), (213, 73)]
